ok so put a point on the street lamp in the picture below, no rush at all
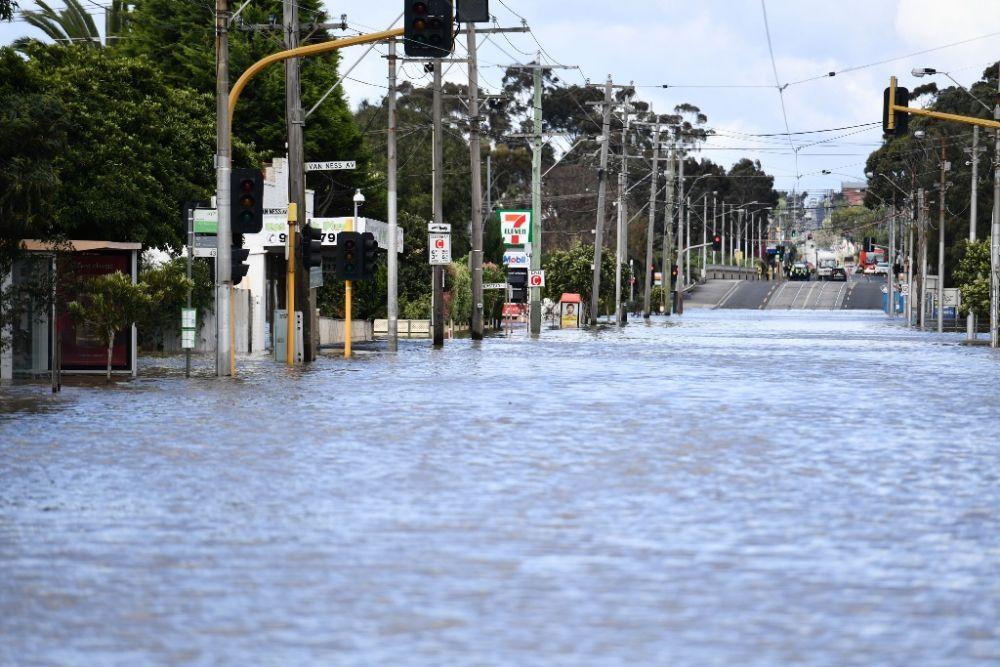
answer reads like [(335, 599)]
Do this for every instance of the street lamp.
[(359, 199), (920, 72)]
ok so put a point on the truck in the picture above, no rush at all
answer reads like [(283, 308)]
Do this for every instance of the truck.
[(869, 259), (826, 262)]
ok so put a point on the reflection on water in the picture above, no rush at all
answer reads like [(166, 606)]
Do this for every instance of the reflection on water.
[(737, 488)]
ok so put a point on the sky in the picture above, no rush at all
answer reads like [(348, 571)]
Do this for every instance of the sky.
[(715, 54)]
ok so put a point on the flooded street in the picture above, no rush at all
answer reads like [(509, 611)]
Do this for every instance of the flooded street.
[(726, 488)]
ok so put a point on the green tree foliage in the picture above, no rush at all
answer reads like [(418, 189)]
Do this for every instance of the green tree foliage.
[(570, 271), (7, 8), (179, 38), (459, 286), (107, 304), (972, 276), (168, 287), (72, 24), (28, 176), (913, 162), (137, 147)]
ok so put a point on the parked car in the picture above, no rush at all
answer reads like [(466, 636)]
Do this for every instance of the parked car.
[(881, 269), (838, 273)]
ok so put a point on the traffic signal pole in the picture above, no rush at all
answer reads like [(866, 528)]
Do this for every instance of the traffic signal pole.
[(295, 120), (223, 278), (290, 286)]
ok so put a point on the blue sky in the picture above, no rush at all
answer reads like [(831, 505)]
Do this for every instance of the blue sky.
[(723, 42)]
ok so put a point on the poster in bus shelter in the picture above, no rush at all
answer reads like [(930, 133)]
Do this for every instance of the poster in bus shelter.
[(569, 315), (81, 347)]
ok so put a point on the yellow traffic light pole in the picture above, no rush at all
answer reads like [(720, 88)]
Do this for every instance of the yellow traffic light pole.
[(234, 96), (940, 115)]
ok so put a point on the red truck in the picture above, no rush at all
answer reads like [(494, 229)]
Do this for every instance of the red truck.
[(868, 259)]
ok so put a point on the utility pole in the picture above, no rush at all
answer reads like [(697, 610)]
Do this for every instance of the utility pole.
[(646, 294), (295, 119), (679, 309), (618, 250), (535, 313), (940, 280), (667, 303), (602, 199), (970, 320), (715, 215), (476, 256), (890, 304), (687, 238), (223, 275), (704, 234), (392, 298), (909, 264), (437, 184), (922, 242), (995, 237)]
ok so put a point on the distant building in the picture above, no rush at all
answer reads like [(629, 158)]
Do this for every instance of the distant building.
[(854, 193)]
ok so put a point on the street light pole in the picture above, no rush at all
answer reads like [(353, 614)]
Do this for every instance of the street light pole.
[(995, 239)]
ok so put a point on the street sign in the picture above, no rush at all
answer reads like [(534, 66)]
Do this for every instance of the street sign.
[(514, 309), (515, 226), (515, 258), (494, 285), (439, 227), (189, 320), (536, 279), (439, 246), (205, 252), (332, 165)]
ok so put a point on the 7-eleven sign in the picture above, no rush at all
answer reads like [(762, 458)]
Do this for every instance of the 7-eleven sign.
[(515, 226)]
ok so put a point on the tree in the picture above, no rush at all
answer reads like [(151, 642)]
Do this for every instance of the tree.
[(179, 38), (168, 287), (7, 8), (137, 147), (28, 176), (570, 271), (973, 277), (72, 24), (108, 304)]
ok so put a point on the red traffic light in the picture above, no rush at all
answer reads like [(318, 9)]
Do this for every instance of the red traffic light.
[(246, 185), (419, 8)]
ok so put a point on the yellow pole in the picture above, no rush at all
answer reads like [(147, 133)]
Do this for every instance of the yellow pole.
[(347, 303), (302, 51), (293, 215), (232, 331), (892, 104), (940, 115)]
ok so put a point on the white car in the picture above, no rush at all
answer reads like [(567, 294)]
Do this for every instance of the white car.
[(881, 269)]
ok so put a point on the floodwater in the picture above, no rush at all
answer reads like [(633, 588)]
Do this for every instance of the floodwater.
[(728, 488)]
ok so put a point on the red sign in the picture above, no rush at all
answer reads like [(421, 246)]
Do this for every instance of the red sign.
[(81, 347), (514, 309)]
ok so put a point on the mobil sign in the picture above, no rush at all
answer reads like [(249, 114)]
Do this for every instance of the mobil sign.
[(515, 226)]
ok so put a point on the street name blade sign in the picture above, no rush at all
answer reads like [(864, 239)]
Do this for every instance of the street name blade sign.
[(515, 226), (332, 165), (536, 279)]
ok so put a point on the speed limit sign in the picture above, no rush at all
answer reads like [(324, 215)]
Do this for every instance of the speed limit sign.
[(536, 279)]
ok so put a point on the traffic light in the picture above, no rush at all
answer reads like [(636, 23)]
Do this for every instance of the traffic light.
[(673, 275), (246, 196), (717, 243), (517, 278), (894, 122), (780, 252), (238, 255), (348, 264), (312, 247), (369, 256), (428, 29)]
